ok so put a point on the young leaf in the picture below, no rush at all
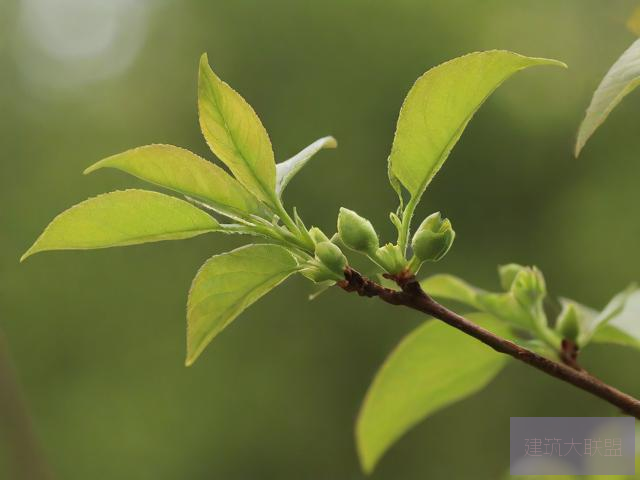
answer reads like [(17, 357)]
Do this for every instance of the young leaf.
[(502, 305), (184, 172), (431, 368), (622, 78), (619, 321), (439, 106), (235, 134), (123, 218), (449, 287), (286, 170), (229, 283), (613, 334)]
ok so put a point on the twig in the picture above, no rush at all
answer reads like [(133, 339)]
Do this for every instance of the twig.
[(414, 297)]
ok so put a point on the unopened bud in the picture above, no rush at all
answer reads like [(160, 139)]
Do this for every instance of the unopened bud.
[(317, 235), (356, 232), (331, 257), (568, 322), (529, 286), (391, 259), (433, 239), (508, 274)]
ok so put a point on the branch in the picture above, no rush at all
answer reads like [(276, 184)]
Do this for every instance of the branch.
[(414, 297)]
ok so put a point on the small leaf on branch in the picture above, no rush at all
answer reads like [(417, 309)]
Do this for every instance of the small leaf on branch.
[(236, 135), (229, 283), (120, 218), (288, 169), (182, 171)]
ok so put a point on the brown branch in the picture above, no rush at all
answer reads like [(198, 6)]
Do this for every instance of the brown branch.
[(414, 297)]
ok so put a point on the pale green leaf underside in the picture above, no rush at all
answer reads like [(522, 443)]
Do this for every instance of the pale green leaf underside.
[(235, 134), (229, 283), (184, 172), (439, 106), (449, 287), (286, 170), (622, 78), (123, 218), (624, 327), (434, 366)]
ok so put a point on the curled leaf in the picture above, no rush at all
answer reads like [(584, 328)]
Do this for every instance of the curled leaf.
[(288, 169)]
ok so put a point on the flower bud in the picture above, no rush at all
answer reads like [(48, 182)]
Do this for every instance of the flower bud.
[(317, 235), (508, 274), (568, 322), (356, 232), (390, 258), (433, 239), (331, 257), (528, 286)]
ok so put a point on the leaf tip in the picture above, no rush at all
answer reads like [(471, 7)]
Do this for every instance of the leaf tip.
[(32, 250), (558, 63), (91, 168), (330, 142), (367, 459)]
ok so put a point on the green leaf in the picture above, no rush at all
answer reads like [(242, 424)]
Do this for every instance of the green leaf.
[(502, 305), (122, 218), (613, 334), (621, 79), (184, 172), (433, 367), (235, 134), (288, 169), (229, 283), (619, 322), (449, 287), (439, 106)]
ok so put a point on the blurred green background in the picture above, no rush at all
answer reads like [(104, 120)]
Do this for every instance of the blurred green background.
[(97, 338)]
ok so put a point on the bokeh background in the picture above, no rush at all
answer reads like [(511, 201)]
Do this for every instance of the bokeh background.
[(97, 338)]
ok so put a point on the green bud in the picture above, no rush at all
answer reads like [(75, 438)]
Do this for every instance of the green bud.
[(331, 257), (318, 273), (528, 286), (433, 239), (356, 232), (508, 274), (568, 322), (317, 235), (391, 259)]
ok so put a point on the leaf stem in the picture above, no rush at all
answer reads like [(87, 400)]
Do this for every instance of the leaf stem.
[(301, 239), (407, 215)]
